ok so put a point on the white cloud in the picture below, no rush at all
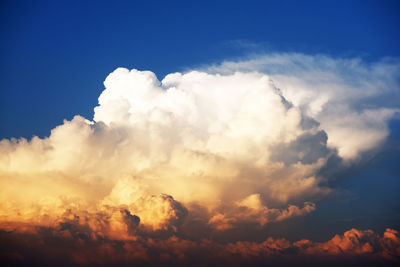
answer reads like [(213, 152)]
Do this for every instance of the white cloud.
[(260, 128), (351, 99)]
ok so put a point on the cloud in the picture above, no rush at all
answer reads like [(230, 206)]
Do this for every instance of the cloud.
[(350, 98), (73, 245), (252, 210), (200, 154), (197, 137)]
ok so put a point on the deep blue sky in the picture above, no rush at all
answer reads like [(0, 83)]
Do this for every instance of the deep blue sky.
[(56, 54)]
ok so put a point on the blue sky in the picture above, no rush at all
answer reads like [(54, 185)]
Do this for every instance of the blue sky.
[(55, 56)]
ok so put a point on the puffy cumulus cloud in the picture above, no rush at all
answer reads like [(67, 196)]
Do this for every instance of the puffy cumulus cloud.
[(357, 242), (237, 146), (198, 137), (251, 209), (350, 98), (159, 212)]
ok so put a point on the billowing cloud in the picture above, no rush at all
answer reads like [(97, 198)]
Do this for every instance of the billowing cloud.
[(351, 99), (251, 209), (237, 145)]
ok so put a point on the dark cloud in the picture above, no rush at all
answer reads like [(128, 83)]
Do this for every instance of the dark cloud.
[(307, 149), (48, 246)]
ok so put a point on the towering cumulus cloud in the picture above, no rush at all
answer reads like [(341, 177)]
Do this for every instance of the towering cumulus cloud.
[(165, 167)]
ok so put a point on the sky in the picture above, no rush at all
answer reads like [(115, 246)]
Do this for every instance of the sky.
[(144, 131)]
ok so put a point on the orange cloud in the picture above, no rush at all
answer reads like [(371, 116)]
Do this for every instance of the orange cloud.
[(81, 246)]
